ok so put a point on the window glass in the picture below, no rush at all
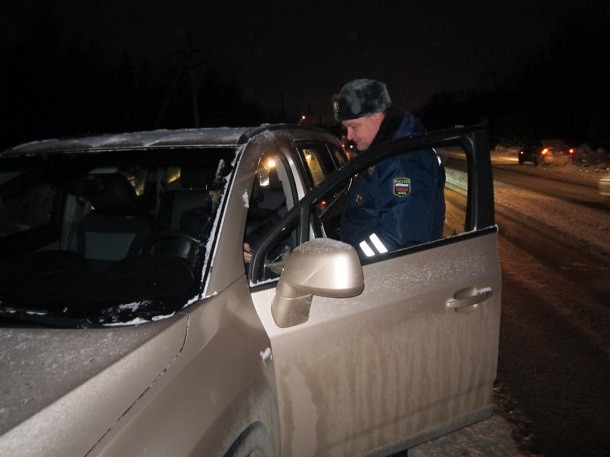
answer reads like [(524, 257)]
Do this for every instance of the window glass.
[(26, 210), (398, 203), (317, 160), (272, 196), (456, 190), (107, 238), (339, 155), (360, 209)]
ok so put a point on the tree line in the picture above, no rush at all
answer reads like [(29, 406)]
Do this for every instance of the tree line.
[(564, 92), (50, 87)]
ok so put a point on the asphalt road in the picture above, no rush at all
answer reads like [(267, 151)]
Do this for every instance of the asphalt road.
[(552, 391), (522, 177), (554, 370), (554, 360)]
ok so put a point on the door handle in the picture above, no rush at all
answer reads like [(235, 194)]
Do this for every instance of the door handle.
[(468, 297)]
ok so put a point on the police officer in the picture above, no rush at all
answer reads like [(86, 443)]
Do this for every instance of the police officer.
[(398, 202)]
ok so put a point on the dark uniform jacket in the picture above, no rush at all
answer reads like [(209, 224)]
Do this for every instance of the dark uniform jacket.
[(400, 201)]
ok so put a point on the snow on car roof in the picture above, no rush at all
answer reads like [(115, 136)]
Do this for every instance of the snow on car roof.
[(220, 136)]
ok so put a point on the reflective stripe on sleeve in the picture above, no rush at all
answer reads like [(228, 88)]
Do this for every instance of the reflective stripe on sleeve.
[(366, 249), (378, 244)]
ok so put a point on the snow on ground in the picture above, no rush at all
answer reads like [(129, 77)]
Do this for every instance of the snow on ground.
[(588, 166), (570, 220), (579, 223)]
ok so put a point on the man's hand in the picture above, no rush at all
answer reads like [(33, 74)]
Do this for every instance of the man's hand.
[(247, 253)]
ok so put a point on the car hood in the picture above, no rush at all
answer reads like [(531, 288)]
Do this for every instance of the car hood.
[(61, 390)]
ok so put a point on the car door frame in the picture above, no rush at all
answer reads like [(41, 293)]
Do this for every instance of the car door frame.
[(480, 210)]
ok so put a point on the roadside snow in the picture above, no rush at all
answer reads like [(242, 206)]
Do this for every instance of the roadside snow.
[(572, 221), (588, 166)]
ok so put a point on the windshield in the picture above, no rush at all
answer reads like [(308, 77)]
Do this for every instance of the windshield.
[(108, 238)]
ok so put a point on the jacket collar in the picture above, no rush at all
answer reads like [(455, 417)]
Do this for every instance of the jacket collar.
[(390, 124)]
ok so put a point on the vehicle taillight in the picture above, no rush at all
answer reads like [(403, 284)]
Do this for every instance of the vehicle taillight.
[(544, 152)]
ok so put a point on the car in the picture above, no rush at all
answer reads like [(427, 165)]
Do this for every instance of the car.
[(130, 324), (545, 152)]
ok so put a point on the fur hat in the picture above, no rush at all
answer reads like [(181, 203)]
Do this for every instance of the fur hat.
[(361, 97)]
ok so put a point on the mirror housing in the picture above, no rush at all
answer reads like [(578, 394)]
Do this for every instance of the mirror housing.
[(324, 267)]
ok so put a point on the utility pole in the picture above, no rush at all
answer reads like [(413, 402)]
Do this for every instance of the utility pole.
[(187, 60)]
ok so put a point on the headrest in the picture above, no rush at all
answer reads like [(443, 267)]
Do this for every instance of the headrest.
[(115, 195), (196, 176)]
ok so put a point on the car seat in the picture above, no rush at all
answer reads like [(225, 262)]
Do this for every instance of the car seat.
[(187, 210), (115, 228)]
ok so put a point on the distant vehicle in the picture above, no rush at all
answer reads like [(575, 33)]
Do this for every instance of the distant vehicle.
[(130, 325), (545, 152)]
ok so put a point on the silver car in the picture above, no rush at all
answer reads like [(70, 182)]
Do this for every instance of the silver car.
[(133, 324)]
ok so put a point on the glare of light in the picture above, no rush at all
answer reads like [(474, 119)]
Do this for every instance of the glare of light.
[(307, 156), (545, 151), (270, 163), (303, 117)]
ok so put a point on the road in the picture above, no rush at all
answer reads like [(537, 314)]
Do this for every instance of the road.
[(554, 370)]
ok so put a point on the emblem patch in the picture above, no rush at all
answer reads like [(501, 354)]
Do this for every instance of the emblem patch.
[(371, 169), (358, 198), (401, 187)]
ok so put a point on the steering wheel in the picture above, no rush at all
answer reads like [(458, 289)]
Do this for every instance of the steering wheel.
[(194, 243)]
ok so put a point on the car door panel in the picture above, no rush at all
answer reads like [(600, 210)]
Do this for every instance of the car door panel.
[(380, 368)]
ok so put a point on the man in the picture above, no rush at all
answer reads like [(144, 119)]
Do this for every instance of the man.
[(398, 202)]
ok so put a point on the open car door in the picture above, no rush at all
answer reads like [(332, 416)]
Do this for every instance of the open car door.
[(411, 357)]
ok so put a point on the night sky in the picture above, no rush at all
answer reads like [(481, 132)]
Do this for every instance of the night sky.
[(307, 50), (302, 52)]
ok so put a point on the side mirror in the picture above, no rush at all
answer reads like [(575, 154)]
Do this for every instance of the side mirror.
[(323, 267)]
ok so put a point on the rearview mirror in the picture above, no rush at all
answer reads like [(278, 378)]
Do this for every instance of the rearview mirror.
[(324, 267)]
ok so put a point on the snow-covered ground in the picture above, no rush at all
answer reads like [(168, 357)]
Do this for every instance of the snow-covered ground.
[(571, 221), (589, 165), (589, 226)]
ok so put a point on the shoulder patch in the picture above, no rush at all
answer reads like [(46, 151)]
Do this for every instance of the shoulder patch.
[(401, 187), (371, 169)]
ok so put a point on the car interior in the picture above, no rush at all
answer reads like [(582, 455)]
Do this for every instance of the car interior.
[(79, 236), (271, 198)]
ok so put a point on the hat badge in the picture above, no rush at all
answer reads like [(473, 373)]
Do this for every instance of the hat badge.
[(336, 106)]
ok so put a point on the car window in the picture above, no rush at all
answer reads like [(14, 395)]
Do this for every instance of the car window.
[(27, 210), (273, 194), (339, 155), (318, 161), (327, 216), (107, 238), (372, 213)]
